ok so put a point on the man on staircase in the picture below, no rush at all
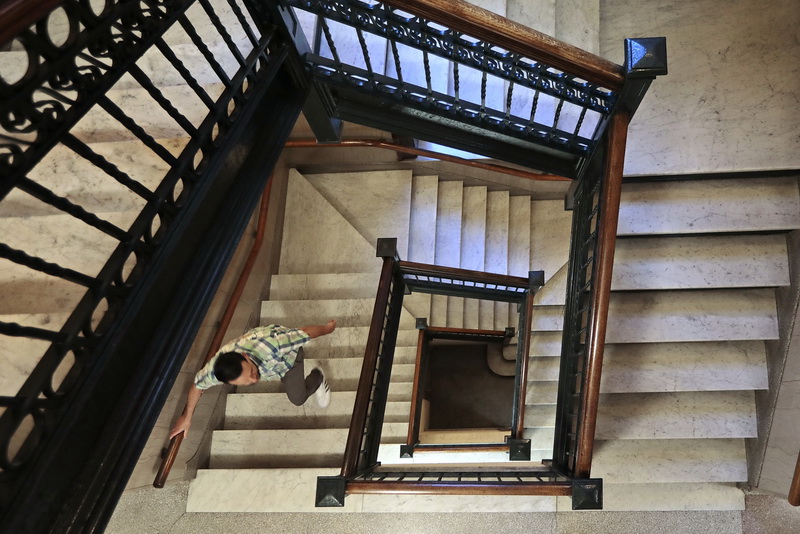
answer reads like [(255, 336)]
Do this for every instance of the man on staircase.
[(270, 352)]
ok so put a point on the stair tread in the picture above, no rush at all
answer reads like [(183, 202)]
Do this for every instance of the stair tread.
[(669, 497), (670, 460), (707, 206), (347, 312), (676, 415)]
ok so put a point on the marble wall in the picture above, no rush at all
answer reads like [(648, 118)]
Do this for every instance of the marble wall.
[(731, 100)]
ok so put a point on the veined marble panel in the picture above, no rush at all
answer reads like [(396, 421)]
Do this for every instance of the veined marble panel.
[(577, 22), (541, 392), (700, 262), (540, 15), (710, 114), (670, 460), (317, 238), (540, 415), (707, 315), (26, 291), (377, 204), (519, 244), (541, 440), (650, 367), (448, 311), (550, 232), (547, 318), (676, 415), (261, 490), (666, 497), (706, 206), (544, 367)]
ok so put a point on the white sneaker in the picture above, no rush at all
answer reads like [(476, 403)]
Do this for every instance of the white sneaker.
[(323, 393)]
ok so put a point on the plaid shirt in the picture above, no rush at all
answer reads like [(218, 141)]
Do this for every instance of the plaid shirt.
[(272, 348)]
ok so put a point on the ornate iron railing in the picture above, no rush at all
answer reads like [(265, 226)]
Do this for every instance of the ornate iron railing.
[(117, 121), (454, 64)]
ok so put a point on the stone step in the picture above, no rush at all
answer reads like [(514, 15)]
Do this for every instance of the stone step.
[(704, 315), (252, 411), (259, 449), (709, 206), (350, 342), (700, 262), (324, 286), (519, 244), (473, 245), (342, 375), (546, 344), (278, 490), (678, 415), (544, 368), (648, 497), (347, 312), (709, 366), (448, 311), (670, 461), (294, 490), (551, 226), (494, 315)]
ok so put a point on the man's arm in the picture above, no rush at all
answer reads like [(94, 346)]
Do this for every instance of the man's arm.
[(185, 420)]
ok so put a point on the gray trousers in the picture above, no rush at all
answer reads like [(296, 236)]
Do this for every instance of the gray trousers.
[(298, 386)]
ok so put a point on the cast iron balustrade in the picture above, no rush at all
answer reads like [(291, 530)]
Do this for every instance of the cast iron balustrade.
[(516, 90), (361, 472), (72, 428)]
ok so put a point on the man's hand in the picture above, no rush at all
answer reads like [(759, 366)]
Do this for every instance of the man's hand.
[(181, 425)]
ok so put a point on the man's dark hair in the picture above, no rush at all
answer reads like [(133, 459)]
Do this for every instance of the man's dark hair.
[(228, 366)]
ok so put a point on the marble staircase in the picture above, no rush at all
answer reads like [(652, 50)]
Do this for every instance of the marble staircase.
[(692, 306)]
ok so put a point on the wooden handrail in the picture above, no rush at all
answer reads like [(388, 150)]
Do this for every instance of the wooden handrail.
[(365, 382), (416, 394), (461, 488), (379, 143), (18, 15), (175, 443), (607, 234), (525, 339), (794, 489), (493, 28)]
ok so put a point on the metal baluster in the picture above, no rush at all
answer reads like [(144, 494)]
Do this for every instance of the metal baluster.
[(83, 150), (398, 68), (139, 75), (17, 330), (329, 38), (45, 195), (115, 111), (365, 52), (456, 101), (38, 264), (201, 93), (484, 80), (243, 22), (201, 46), (223, 31), (427, 64)]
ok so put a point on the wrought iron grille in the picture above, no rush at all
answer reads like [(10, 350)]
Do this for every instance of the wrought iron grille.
[(406, 58), (113, 116), (459, 477)]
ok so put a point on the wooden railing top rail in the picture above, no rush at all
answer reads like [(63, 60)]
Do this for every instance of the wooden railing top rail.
[(794, 489), (16, 15), (493, 28), (379, 143)]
